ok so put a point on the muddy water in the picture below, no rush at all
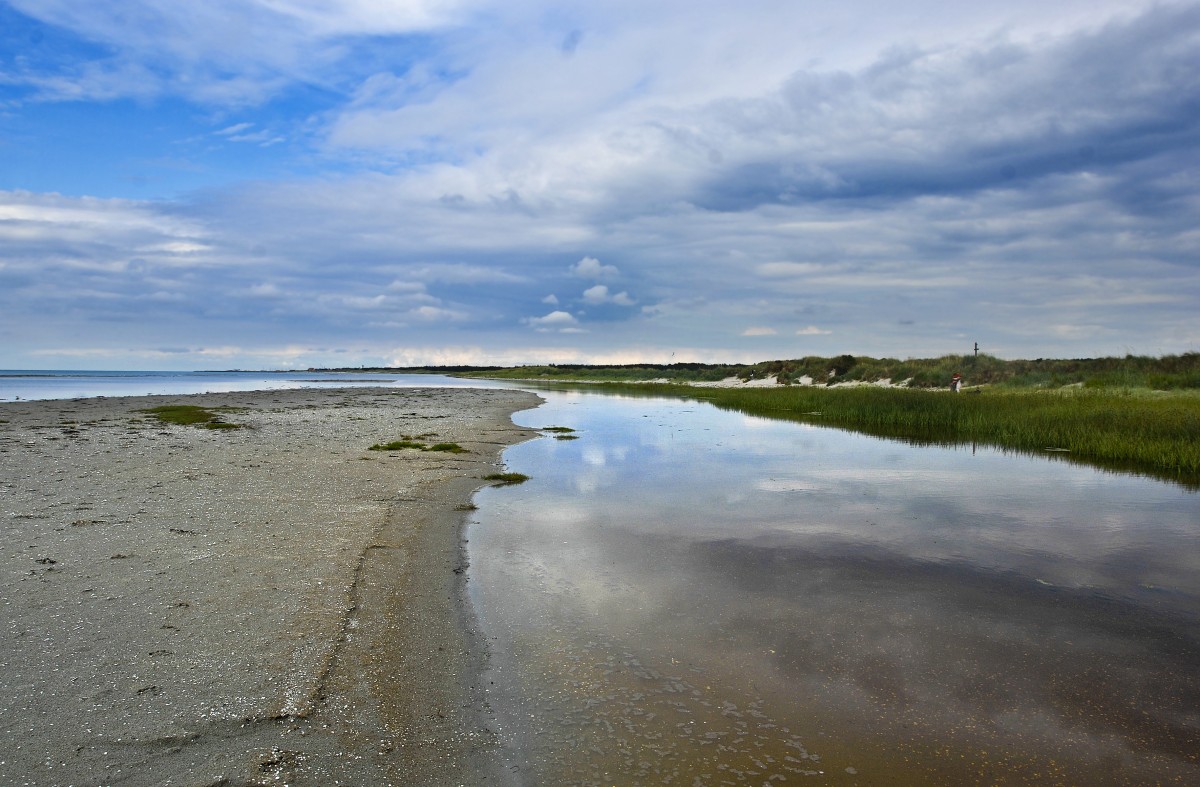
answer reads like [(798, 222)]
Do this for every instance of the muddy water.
[(688, 596)]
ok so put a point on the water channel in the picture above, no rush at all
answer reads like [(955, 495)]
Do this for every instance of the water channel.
[(685, 595)]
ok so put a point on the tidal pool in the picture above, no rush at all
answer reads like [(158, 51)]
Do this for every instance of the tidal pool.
[(684, 595)]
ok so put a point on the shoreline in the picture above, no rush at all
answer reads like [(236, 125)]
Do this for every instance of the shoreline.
[(260, 605)]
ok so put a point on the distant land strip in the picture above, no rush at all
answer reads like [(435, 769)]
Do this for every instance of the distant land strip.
[(1168, 372)]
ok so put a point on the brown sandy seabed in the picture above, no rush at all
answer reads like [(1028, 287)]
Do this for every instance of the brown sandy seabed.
[(268, 605)]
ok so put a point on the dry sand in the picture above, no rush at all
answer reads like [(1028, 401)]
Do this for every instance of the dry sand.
[(268, 605)]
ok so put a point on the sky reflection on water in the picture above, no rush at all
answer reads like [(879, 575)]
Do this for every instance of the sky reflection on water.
[(34, 384), (783, 599)]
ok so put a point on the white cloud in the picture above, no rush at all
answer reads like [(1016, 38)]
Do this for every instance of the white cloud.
[(557, 320), (265, 290), (407, 287), (237, 128), (90, 233), (263, 138), (759, 331), (592, 268), (792, 269), (355, 302), (358, 17), (283, 357), (460, 273), (599, 294), (56, 213), (551, 299), (437, 314), (813, 330), (221, 51), (474, 355)]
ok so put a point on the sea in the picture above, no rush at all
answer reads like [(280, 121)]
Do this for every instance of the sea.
[(37, 384)]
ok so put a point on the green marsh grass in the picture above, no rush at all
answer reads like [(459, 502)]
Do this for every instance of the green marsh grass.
[(506, 479), (189, 415), (450, 448), (399, 445), (1153, 432)]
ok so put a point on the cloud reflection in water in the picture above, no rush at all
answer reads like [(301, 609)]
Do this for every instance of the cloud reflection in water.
[(913, 606)]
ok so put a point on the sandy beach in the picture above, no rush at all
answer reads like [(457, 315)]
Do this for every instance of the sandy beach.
[(274, 604)]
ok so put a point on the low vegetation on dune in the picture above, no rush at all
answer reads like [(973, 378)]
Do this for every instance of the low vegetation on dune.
[(1172, 372)]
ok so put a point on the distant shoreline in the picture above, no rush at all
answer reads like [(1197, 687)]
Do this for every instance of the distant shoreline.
[(1167, 372)]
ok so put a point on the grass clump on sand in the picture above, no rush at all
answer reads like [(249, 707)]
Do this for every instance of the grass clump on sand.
[(407, 442), (397, 445), (450, 448), (506, 479), (190, 415)]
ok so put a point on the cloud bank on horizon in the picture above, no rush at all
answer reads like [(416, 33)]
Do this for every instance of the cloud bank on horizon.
[(291, 183)]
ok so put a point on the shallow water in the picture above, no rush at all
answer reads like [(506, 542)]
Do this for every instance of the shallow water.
[(690, 596), (27, 385)]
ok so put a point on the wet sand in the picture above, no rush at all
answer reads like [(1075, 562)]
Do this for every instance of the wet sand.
[(267, 605)]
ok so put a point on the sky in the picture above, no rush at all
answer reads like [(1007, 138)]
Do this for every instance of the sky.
[(266, 184)]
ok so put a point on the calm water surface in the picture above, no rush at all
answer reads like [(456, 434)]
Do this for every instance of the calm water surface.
[(689, 596), (25, 384)]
